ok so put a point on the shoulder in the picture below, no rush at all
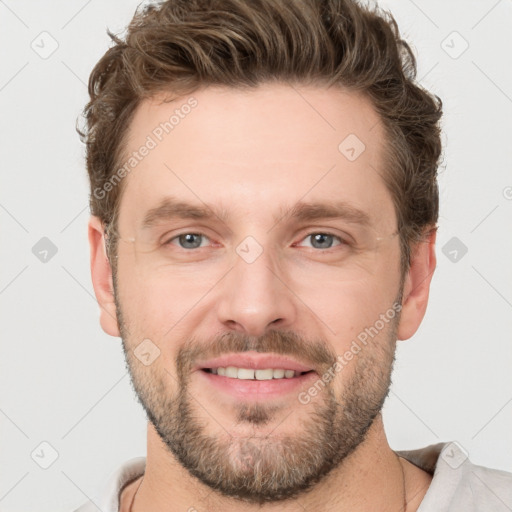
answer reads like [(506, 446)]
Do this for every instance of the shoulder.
[(491, 488), (107, 500), (458, 484)]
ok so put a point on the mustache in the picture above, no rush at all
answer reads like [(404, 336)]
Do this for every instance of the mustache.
[(315, 353)]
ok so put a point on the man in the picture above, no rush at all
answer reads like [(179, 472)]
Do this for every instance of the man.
[(264, 206)]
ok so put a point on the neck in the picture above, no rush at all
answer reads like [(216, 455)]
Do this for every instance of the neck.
[(372, 477)]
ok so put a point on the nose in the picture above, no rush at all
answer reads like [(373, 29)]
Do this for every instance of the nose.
[(256, 296)]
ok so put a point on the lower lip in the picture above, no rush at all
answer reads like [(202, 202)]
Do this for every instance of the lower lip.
[(258, 389)]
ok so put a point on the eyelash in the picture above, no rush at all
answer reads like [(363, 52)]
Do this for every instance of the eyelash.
[(342, 241)]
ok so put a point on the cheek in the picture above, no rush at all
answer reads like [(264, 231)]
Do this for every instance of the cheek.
[(144, 309), (347, 307), (160, 304)]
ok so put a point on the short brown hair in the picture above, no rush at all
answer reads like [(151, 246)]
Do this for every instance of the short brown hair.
[(179, 46)]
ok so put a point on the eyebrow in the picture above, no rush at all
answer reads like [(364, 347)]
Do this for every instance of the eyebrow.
[(171, 208)]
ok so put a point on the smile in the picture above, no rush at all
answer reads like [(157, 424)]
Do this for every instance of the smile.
[(233, 372)]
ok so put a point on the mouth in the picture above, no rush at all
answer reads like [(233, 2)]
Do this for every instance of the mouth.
[(232, 372), (255, 376)]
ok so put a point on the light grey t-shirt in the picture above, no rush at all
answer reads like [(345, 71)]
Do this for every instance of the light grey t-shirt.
[(457, 485)]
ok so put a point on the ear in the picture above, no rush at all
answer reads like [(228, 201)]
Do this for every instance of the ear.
[(101, 273), (417, 286)]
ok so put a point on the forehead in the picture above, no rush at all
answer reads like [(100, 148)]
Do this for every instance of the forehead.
[(255, 150)]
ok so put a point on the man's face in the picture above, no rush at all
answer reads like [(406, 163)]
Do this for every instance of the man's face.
[(257, 286)]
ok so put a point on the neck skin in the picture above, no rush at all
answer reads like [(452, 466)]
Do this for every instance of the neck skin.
[(371, 478)]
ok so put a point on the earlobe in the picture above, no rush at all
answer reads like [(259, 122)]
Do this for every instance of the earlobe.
[(417, 286), (101, 273)]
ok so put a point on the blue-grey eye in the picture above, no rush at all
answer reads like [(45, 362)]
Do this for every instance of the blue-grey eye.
[(322, 240), (189, 240)]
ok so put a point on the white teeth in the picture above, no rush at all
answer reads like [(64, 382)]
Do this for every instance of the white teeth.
[(251, 374), (232, 372), (245, 373), (264, 374)]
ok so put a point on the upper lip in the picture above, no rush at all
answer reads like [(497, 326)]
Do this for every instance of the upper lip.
[(256, 361)]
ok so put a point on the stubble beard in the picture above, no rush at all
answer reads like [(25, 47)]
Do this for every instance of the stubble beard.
[(275, 467)]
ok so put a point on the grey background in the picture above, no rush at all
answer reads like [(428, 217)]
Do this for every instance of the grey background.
[(63, 381)]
